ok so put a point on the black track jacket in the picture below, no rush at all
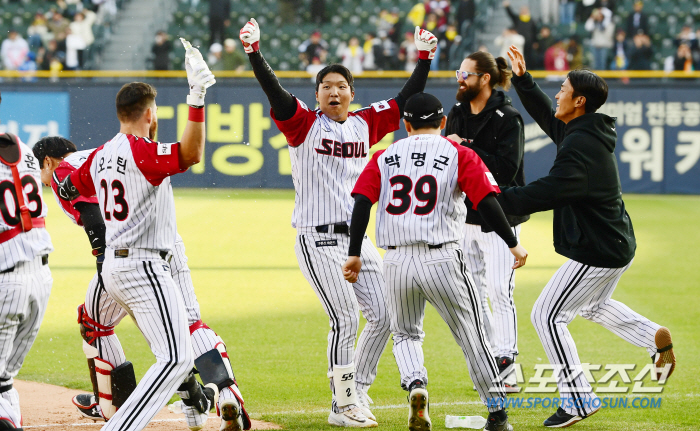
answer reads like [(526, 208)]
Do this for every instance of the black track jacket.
[(591, 225)]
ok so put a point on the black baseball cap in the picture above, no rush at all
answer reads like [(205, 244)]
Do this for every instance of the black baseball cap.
[(423, 107)]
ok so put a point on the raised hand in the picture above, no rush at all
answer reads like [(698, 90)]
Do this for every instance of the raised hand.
[(199, 77), (517, 60), (250, 36), (426, 43)]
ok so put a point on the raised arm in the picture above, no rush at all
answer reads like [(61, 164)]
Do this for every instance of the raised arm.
[(426, 43), (282, 103)]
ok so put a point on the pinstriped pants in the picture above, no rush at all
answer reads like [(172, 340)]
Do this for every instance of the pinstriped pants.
[(24, 294), (585, 290), (321, 265), (491, 265), (416, 274), (143, 285)]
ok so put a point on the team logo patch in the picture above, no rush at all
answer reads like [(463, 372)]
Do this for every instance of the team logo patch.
[(492, 180), (327, 243), (164, 149)]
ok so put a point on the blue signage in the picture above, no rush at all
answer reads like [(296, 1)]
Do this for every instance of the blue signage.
[(31, 116)]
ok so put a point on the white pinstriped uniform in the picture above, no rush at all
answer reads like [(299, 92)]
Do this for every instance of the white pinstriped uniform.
[(418, 184), (327, 158), (130, 177), (24, 291), (490, 263), (586, 290)]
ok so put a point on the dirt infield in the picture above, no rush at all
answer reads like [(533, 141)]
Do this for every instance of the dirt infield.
[(48, 407)]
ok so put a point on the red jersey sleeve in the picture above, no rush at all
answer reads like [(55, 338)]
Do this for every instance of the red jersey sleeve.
[(60, 174), (473, 176), (370, 181), (296, 128), (382, 118), (82, 178), (155, 160)]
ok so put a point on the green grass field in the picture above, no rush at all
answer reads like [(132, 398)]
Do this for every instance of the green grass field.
[(240, 248)]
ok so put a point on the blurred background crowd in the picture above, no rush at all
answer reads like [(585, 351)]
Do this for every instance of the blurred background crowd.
[(364, 35)]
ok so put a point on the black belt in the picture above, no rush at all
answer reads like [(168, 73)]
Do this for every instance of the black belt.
[(124, 252), (337, 228), (44, 261), (430, 246)]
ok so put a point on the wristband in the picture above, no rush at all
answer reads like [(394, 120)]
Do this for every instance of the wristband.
[(425, 55), (196, 114)]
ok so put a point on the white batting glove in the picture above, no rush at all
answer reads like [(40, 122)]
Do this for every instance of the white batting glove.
[(250, 36), (426, 43), (199, 76)]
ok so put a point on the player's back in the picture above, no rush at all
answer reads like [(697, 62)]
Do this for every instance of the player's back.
[(135, 197), (67, 166), (25, 246)]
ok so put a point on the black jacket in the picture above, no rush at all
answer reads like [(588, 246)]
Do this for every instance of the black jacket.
[(496, 135), (591, 225)]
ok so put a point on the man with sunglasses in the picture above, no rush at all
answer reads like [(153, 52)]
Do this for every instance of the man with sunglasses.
[(485, 121)]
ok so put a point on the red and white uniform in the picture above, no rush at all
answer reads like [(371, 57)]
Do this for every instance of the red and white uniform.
[(25, 281), (65, 168), (327, 158), (419, 183)]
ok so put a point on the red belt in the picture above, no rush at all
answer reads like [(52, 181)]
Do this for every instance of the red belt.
[(9, 234)]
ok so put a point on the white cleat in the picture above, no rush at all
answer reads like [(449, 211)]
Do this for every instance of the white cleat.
[(231, 417), (194, 419), (353, 418), (363, 402)]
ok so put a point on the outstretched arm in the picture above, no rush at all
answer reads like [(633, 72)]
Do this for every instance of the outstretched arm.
[(283, 104)]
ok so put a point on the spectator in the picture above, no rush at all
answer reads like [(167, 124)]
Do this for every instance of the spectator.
[(161, 51), (686, 36), (373, 51), (549, 11), (312, 47), (638, 21), (352, 55), (82, 26), (640, 52), (602, 31), (684, 59), (620, 58), (13, 50), (431, 23), (574, 53), (314, 67), (555, 58), (29, 65), (232, 58), (38, 32), (408, 53), (567, 12), (543, 42), (288, 10), (318, 11), (524, 26), (389, 57), (466, 11), (74, 44), (57, 24), (214, 57), (585, 9), (506, 39), (441, 9), (47, 58), (450, 37), (386, 21), (219, 11)]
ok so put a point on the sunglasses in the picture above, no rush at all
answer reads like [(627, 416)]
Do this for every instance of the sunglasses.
[(466, 75)]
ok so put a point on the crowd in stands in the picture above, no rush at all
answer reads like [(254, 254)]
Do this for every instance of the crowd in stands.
[(60, 35)]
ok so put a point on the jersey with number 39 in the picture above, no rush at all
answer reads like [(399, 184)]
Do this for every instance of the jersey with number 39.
[(419, 183), (328, 156), (131, 178), (35, 242)]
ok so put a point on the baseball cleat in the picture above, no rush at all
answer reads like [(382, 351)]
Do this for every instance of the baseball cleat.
[(665, 353), (231, 418), (505, 365), (363, 402), (6, 424), (418, 419), (87, 406), (561, 419), (353, 418), (498, 421)]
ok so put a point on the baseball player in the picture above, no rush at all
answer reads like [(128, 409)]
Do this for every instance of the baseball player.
[(59, 158), (25, 278), (130, 175), (591, 228), (329, 146), (485, 121), (419, 183)]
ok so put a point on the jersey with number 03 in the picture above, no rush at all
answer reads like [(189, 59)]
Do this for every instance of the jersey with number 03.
[(131, 178), (419, 183), (36, 242), (67, 166), (328, 156)]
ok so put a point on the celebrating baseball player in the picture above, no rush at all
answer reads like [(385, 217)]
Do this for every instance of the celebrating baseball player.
[(100, 313), (485, 121), (131, 177), (329, 146), (591, 228), (25, 278), (419, 183)]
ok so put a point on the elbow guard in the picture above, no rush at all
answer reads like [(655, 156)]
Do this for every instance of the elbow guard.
[(66, 189)]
